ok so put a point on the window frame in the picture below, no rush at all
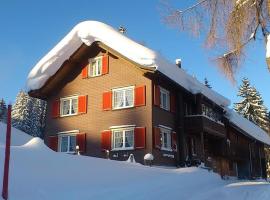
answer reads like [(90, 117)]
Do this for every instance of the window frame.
[(123, 89), (124, 130), (67, 134), (168, 132), (167, 93), (91, 66), (70, 98)]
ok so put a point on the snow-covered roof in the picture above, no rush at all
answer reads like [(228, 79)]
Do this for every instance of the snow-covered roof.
[(249, 127), (91, 31), (88, 32)]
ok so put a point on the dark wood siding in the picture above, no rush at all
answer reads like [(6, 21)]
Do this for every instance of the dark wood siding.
[(121, 73)]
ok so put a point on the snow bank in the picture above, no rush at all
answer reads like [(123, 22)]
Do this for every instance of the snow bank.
[(17, 137), (88, 32), (250, 128), (36, 172)]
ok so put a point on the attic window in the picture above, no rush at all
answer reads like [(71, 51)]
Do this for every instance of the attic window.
[(95, 67)]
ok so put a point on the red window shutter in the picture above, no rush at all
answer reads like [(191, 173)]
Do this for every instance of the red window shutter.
[(156, 95), (81, 142), (106, 137), (82, 104), (157, 138), (140, 137), (173, 102), (105, 64), (56, 108), (53, 142), (140, 96), (85, 71), (107, 100), (174, 141)]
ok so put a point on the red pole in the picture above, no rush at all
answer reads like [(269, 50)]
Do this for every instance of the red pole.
[(7, 156)]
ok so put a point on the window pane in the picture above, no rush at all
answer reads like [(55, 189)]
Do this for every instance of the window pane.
[(129, 97), (129, 139), (65, 107), (64, 144), (98, 65), (169, 141), (91, 69), (74, 106), (165, 140), (118, 99), (72, 143), (118, 139)]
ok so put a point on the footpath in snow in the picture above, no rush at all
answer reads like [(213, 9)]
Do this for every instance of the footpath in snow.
[(38, 173)]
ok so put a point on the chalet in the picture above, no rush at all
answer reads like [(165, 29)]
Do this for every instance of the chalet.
[(106, 92)]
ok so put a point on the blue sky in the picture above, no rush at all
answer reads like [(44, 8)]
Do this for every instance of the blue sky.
[(29, 29)]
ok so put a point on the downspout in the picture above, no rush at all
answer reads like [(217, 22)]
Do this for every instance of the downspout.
[(250, 162), (260, 162)]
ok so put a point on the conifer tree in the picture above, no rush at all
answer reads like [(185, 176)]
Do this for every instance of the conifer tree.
[(251, 105), (28, 114), (206, 83), (3, 110)]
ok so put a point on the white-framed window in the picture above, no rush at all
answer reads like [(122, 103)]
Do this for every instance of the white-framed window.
[(123, 97), (67, 142), (164, 99), (166, 139), (69, 106), (123, 139), (95, 66)]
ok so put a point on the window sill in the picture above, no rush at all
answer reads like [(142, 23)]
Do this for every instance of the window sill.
[(122, 108), (69, 115), (123, 149), (94, 76), (165, 149)]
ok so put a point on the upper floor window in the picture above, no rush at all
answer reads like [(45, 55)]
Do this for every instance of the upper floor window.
[(166, 139), (69, 106), (123, 97), (123, 139), (67, 143), (164, 99), (95, 67)]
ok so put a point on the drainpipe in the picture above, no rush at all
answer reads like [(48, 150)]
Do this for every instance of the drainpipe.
[(250, 161), (260, 162)]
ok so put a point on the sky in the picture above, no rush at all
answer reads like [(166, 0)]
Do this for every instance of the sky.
[(31, 28)]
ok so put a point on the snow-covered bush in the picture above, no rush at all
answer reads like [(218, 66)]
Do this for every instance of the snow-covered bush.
[(148, 159), (131, 159)]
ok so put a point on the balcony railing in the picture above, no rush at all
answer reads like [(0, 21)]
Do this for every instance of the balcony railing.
[(202, 123)]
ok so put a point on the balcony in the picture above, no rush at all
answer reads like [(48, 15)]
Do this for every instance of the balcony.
[(203, 123)]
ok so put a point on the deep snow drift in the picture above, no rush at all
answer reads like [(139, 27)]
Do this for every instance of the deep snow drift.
[(36, 173)]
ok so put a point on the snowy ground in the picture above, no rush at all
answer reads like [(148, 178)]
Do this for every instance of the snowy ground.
[(37, 173)]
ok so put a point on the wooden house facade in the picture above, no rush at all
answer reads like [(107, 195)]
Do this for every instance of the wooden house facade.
[(102, 101)]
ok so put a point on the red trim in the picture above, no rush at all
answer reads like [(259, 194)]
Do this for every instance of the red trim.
[(85, 71), (106, 137), (105, 64), (107, 100), (56, 109), (174, 141), (156, 95), (157, 138), (81, 142), (140, 137), (53, 142), (172, 102), (82, 104), (140, 99)]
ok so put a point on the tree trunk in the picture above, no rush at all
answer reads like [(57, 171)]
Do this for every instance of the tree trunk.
[(266, 39)]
